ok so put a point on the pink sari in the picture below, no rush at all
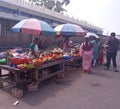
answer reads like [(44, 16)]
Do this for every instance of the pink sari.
[(87, 58)]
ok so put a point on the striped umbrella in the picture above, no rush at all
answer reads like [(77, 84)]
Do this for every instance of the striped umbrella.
[(34, 26), (69, 30)]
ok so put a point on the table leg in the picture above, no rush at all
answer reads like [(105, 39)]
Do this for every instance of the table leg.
[(1, 84), (63, 67), (75, 63), (0, 72), (17, 79), (62, 73), (35, 74)]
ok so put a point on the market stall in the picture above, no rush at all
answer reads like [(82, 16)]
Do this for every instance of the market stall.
[(24, 71), (19, 77), (67, 31)]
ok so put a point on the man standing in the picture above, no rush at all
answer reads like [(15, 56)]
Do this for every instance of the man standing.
[(113, 45)]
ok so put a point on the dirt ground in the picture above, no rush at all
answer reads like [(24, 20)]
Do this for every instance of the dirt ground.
[(99, 90)]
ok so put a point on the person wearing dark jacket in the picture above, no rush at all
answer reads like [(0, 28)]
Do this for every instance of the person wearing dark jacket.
[(113, 45)]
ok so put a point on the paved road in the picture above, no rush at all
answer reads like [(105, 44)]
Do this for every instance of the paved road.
[(99, 90)]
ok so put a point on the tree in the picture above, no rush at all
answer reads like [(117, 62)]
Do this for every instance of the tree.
[(56, 5), (66, 2)]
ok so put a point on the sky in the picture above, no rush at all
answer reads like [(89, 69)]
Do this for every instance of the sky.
[(102, 13)]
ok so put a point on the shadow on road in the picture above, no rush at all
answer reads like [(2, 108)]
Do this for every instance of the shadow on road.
[(49, 88), (105, 75)]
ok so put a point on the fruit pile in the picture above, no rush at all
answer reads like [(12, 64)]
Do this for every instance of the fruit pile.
[(45, 57), (75, 53), (22, 66)]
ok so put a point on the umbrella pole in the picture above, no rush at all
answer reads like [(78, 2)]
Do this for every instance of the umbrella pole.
[(39, 36)]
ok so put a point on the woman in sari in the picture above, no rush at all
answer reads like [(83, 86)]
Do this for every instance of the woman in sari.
[(86, 54), (66, 46)]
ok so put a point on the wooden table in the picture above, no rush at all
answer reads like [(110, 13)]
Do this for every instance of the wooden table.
[(77, 61), (72, 63), (59, 72), (13, 76)]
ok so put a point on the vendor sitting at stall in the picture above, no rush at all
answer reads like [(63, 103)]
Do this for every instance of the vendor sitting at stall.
[(34, 51), (66, 46)]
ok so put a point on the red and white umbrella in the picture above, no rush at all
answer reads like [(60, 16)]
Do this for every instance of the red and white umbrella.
[(69, 30), (34, 26)]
